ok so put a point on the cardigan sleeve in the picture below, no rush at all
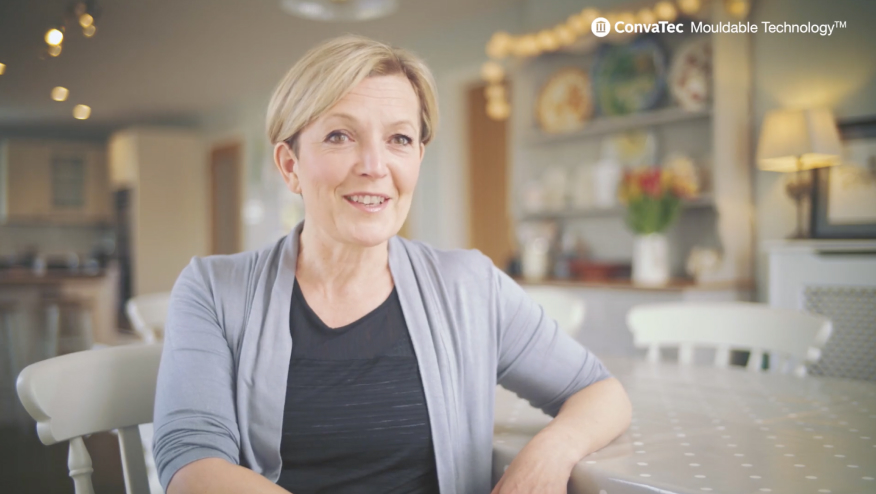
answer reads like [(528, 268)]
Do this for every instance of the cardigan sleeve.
[(536, 359), (194, 402)]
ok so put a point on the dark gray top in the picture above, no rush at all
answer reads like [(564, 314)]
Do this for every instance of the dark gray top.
[(355, 419)]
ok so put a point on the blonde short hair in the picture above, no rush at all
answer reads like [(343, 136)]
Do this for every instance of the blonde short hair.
[(326, 73)]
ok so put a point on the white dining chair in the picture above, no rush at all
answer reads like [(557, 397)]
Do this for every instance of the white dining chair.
[(560, 305), (148, 314), (790, 338), (83, 393)]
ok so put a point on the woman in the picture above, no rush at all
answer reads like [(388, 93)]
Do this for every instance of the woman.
[(346, 359)]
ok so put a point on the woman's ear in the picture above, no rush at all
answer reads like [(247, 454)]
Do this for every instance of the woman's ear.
[(287, 163)]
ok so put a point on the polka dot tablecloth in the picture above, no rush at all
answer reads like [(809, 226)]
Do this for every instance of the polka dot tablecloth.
[(704, 429)]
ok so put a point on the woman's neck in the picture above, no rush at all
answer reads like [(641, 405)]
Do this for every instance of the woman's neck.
[(335, 268)]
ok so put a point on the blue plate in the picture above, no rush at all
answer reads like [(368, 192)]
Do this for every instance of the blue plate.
[(629, 78)]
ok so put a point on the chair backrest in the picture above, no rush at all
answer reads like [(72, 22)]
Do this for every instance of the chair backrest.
[(94, 391), (562, 306), (791, 338), (148, 314)]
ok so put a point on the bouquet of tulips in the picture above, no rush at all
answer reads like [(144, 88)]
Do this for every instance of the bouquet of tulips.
[(653, 195)]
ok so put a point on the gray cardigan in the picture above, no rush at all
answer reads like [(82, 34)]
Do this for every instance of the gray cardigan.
[(222, 379)]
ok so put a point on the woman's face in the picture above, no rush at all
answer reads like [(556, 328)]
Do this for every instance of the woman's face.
[(357, 165)]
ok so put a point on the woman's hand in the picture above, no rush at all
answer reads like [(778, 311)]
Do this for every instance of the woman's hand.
[(588, 420), (542, 467)]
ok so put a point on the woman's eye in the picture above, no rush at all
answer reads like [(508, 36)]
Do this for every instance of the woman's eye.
[(402, 139), (337, 138)]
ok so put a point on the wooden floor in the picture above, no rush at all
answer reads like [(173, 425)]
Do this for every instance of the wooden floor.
[(27, 466)]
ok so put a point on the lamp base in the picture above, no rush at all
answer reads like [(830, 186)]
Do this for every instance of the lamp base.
[(799, 189)]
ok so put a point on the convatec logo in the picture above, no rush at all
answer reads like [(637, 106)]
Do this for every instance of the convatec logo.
[(600, 27)]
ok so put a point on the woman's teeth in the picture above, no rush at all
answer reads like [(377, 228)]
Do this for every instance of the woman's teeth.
[(367, 200)]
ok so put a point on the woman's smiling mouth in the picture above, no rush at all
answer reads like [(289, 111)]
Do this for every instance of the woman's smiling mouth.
[(370, 203)]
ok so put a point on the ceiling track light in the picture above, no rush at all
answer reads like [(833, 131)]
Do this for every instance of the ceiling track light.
[(54, 36), (60, 93), (79, 12), (81, 112), (84, 13), (86, 20)]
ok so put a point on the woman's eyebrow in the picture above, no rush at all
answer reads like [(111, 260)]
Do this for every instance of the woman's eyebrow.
[(403, 122), (352, 119), (342, 116)]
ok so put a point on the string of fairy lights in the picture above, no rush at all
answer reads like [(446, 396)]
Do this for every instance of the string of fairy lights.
[(79, 15), (503, 46)]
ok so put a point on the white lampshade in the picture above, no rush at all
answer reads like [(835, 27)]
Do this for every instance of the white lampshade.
[(793, 140)]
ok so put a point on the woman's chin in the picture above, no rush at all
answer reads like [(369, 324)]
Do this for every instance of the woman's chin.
[(370, 235)]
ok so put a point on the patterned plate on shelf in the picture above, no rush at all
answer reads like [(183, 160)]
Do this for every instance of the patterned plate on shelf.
[(564, 102), (690, 78), (629, 78)]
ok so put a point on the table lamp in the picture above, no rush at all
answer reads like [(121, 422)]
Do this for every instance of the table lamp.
[(796, 141)]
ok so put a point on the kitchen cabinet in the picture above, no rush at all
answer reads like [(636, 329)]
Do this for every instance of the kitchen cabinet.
[(54, 181)]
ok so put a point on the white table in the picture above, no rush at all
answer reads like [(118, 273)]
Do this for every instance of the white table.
[(703, 429)]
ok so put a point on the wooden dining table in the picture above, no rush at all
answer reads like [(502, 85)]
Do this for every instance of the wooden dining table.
[(698, 429)]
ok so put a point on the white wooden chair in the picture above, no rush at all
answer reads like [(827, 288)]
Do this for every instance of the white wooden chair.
[(82, 393), (562, 306), (791, 338), (148, 314)]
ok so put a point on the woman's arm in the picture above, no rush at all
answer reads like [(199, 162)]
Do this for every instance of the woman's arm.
[(217, 476), (195, 414), (555, 373), (588, 420)]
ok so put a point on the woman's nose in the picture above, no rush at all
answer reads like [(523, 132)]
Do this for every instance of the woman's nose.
[(371, 160)]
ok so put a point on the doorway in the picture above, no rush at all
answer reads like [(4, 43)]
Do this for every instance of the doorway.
[(489, 226), (225, 199)]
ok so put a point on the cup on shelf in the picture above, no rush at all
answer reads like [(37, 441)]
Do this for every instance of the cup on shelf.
[(606, 176), (536, 259), (581, 187)]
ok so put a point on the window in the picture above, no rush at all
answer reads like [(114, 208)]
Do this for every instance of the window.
[(68, 182)]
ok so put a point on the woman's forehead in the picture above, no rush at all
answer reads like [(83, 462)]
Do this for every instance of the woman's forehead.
[(387, 96)]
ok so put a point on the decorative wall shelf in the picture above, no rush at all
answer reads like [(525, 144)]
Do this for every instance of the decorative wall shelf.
[(609, 125), (718, 138), (698, 203)]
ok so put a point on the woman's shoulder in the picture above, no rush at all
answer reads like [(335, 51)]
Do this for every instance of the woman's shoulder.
[(234, 270), (451, 264)]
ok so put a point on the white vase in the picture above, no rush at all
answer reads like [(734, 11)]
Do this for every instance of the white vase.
[(651, 260)]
